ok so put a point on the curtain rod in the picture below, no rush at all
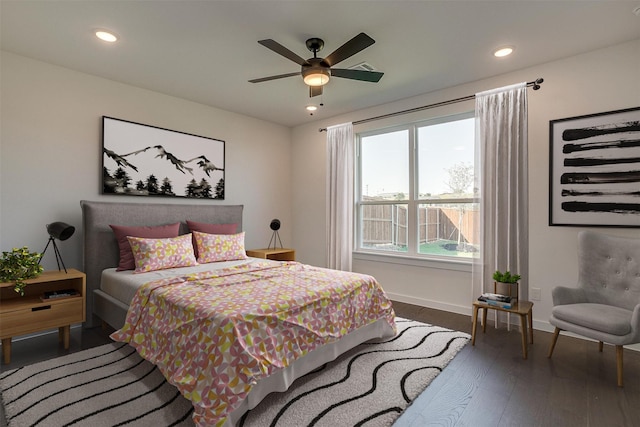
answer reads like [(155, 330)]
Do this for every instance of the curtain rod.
[(534, 84)]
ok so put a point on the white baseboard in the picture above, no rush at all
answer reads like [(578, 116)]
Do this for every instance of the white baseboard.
[(459, 309), (538, 325)]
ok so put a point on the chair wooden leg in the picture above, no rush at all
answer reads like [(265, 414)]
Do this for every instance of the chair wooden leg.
[(619, 352), (600, 345), (553, 341)]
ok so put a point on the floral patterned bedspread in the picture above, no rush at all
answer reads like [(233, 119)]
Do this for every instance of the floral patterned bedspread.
[(214, 334)]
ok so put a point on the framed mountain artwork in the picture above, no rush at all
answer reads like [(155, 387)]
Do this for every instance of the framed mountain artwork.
[(144, 160)]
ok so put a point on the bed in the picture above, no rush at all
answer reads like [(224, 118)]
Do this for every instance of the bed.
[(314, 332)]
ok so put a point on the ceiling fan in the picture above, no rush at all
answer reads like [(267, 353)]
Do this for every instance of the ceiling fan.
[(315, 71)]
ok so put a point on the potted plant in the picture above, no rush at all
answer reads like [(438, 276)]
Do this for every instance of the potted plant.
[(505, 277), (508, 279), (19, 265)]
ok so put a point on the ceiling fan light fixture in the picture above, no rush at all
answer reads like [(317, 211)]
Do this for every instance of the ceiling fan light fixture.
[(316, 72), (315, 77)]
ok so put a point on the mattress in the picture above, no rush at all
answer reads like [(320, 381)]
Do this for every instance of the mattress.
[(122, 285)]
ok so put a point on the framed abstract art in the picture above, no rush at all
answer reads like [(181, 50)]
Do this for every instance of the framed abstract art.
[(594, 170)]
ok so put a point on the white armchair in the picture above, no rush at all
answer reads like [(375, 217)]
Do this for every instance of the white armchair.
[(606, 304)]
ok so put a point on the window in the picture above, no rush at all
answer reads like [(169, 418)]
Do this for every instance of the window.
[(416, 194)]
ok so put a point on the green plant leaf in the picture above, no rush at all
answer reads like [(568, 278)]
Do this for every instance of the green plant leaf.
[(505, 277), (19, 265)]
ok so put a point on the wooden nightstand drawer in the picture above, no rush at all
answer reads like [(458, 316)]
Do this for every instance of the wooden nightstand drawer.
[(47, 315)]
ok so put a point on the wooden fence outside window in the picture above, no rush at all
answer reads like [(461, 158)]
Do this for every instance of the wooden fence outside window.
[(387, 224)]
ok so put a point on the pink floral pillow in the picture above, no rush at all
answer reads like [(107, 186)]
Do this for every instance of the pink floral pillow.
[(219, 247), (159, 254), (203, 227), (156, 232)]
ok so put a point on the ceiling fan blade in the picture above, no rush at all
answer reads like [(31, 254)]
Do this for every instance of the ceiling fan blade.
[(366, 76), (281, 50), (315, 91), (279, 76), (350, 48)]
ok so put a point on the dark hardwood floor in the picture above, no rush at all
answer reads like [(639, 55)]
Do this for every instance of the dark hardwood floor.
[(488, 384)]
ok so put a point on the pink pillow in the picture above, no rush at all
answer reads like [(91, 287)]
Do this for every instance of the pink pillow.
[(204, 227), (121, 231), (160, 254), (219, 247)]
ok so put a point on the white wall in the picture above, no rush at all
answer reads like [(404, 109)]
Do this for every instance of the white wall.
[(50, 160), (50, 153), (598, 81)]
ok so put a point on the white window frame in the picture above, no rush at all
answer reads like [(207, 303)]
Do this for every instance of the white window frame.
[(411, 256)]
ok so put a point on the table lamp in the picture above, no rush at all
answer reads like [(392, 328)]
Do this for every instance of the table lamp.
[(275, 237), (61, 231)]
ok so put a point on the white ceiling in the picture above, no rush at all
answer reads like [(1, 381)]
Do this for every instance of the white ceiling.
[(205, 51)]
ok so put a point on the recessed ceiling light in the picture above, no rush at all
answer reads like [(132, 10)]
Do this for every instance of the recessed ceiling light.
[(636, 11), (311, 108), (503, 51), (106, 36)]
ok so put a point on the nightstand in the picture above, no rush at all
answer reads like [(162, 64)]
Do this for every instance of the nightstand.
[(274, 254), (20, 315)]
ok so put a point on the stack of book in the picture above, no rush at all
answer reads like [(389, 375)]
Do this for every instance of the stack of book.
[(65, 293), (499, 300)]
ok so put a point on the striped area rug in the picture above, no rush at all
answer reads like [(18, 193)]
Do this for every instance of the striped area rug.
[(112, 386)]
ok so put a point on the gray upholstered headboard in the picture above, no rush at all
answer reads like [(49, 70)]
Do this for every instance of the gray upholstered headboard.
[(100, 246)]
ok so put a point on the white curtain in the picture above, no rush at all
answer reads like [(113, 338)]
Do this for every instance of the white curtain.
[(340, 152), (501, 138)]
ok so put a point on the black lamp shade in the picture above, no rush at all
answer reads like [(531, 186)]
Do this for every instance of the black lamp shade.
[(60, 230), (275, 224)]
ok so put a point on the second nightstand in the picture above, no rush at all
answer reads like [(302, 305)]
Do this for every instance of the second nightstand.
[(274, 254)]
